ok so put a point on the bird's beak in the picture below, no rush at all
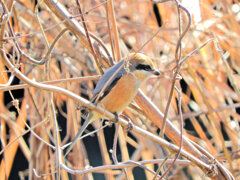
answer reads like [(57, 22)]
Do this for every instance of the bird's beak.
[(156, 72)]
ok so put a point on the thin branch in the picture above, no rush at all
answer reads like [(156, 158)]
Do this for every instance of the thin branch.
[(181, 133), (161, 165), (40, 25), (198, 113), (224, 170), (194, 51), (88, 37), (57, 140), (103, 46), (127, 164), (114, 150), (228, 70), (77, 79), (60, 11), (177, 56), (115, 30), (110, 33), (10, 80), (25, 132), (45, 59)]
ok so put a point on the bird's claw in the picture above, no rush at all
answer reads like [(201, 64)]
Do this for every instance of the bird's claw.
[(116, 117), (130, 124)]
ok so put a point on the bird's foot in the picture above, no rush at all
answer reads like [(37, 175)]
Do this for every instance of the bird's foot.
[(116, 117), (130, 124)]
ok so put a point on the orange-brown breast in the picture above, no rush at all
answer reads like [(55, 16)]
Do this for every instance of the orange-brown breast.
[(121, 95)]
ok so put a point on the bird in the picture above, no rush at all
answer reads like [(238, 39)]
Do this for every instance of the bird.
[(117, 87)]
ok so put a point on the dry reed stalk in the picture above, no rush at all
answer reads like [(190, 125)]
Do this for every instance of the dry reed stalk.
[(50, 34)]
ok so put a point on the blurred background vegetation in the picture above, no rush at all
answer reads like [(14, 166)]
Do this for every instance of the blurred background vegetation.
[(209, 83)]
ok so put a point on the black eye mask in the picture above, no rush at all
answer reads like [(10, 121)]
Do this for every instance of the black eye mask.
[(144, 67)]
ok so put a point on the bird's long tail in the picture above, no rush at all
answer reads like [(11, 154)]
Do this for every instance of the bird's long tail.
[(79, 134)]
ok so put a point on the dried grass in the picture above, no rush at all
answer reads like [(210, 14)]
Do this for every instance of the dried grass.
[(51, 43)]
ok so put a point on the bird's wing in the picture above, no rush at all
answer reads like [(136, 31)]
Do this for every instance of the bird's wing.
[(104, 79)]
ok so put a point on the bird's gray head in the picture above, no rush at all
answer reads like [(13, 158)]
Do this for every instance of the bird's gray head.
[(141, 66)]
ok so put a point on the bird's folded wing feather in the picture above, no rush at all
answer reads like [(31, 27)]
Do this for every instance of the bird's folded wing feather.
[(104, 79)]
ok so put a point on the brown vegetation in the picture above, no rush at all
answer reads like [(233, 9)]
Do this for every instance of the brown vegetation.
[(52, 55)]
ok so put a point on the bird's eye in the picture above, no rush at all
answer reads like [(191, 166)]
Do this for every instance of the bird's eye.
[(144, 67)]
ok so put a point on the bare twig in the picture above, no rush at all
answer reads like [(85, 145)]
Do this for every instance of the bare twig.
[(61, 12), (177, 56), (114, 150), (77, 79), (88, 37), (10, 80), (45, 59), (230, 75), (181, 131), (57, 140), (198, 113), (115, 30), (127, 164), (25, 132)]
